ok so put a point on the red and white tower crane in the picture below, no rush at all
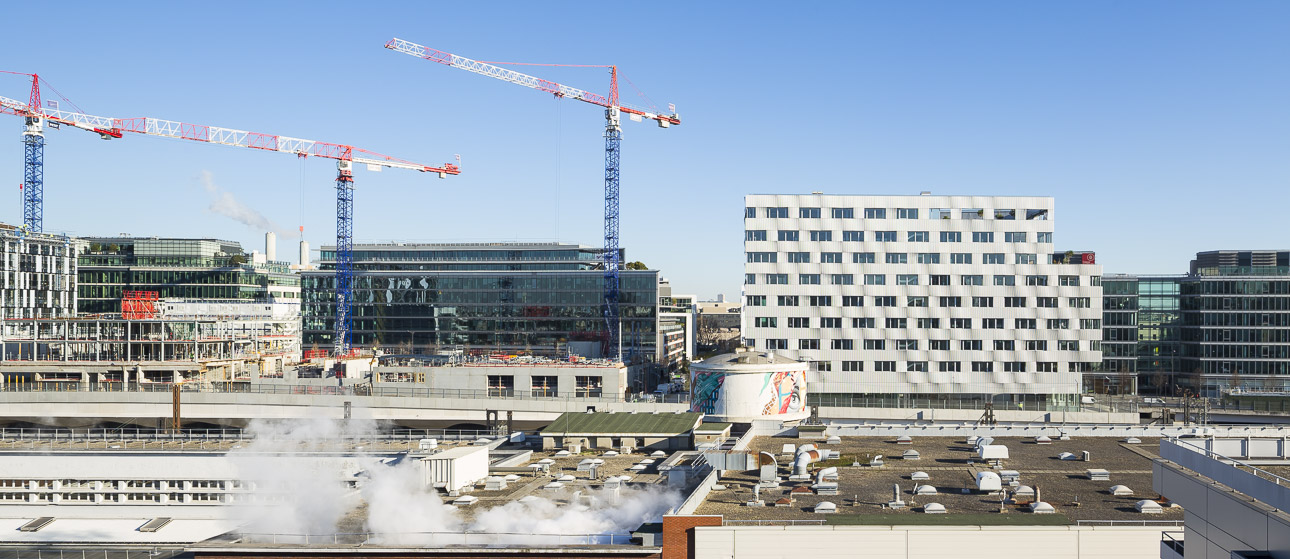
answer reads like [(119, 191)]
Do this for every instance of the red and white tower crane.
[(345, 155), (613, 137)]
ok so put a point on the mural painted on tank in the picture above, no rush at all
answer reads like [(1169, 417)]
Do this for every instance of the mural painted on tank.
[(784, 392), (705, 391)]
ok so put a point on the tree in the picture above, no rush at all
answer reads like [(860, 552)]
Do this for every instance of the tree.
[(1158, 381), (236, 260), (1124, 379), (636, 265), (95, 247)]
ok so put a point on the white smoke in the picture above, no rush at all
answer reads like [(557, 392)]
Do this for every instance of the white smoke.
[(224, 203), (587, 516), (401, 510)]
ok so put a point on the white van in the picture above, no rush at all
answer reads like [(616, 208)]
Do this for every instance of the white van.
[(1087, 400)]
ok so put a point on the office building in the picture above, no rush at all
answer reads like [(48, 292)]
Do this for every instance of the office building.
[(921, 295), (676, 328), (38, 275), (544, 298)]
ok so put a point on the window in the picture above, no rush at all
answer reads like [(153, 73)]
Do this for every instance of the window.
[(756, 300), (545, 386), (983, 302), (808, 213), (897, 323), (1037, 280), (897, 258), (750, 213), (852, 366), (884, 366), (993, 258), (498, 385), (1079, 302), (1068, 345), (1046, 367), (951, 301), (951, 237), (787, 301), (1014, 237), (970, 345), (810, 343), (875, 279), (1059, 323), (843, 213), (875, 213), (750, 279), (1005, 280), (1044, 237), (920, 366), (777, 344), (884, 300), (1093, 324), (950, 366), (907, 344), (830, 322), (916, 301), (906, 213), (781, 213), (821, 235), (755, 235), (788, 235), (1046, 302), (1069, 281), (939, 279), (929, 258), (1037, 214), (862, 258), (982, 367), (841, 344), (928, 323), (1005, 214), (841, 279), (992, 323), (866, 322), (961, 323), (1095, 280), (764, 321), (761, 257), (1024, 324), (972, 280), (983, 237), (1037, 345), (799, 258), (821, 300), (852, 301), (822, 366), (877, 345), (777, 279), (831, 257), (938, 345), (1014, 366), (960, 258), (885, 236), (973, 213), (1004, 345), (1014, 302), (919, 236), (1023, 258), (852, 236), (799, 322), (809, 279)]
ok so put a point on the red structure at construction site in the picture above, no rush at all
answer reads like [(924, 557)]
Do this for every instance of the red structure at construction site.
[(139, 305)]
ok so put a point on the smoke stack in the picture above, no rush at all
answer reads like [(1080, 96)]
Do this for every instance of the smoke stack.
[(304, 254), (271, 246)]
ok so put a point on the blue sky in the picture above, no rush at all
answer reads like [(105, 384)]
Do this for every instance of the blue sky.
[(1162, 128)]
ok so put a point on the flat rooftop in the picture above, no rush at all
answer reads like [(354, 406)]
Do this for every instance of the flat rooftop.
[(951, 465)]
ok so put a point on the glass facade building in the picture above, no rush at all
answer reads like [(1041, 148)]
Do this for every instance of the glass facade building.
[(1142, 327), (544, 298), (193, 269)]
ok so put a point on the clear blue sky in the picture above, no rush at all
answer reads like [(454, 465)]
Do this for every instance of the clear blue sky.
[(1162, 128)]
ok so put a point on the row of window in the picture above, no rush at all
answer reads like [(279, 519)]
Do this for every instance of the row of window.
[(897, 258), (789, 235), (781, 212), (914, 301), (913, 279), (933, 345), (930, 323)]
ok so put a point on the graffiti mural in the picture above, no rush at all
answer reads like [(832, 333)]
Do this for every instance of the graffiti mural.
[(784, 393), (705, 391)]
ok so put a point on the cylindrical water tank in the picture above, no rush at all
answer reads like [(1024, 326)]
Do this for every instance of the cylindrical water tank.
[(270, 246), (746, 386)]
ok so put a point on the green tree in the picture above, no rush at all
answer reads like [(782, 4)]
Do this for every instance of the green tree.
[(637, 265), (236, 260)]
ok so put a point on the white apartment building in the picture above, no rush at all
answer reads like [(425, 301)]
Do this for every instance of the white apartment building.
[(921, 295)]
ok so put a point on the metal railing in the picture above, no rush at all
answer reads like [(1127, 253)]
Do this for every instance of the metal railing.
[(95, 553), (381, 390), (1173, 540), (439, 539), (783, 522), (1177, 523), (222, 435), (952, 403)]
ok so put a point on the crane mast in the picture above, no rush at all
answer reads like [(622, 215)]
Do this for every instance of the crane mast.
[(611, 255)]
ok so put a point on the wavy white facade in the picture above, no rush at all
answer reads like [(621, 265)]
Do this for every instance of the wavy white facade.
[(920, 294)]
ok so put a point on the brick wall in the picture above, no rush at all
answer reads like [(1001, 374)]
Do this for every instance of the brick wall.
[(678, 534)]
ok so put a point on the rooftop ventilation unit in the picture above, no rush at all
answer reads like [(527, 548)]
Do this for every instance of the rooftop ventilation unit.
[(904, 439), (1040, 507), (988, 482), (1067, 456), (925, 490), (36, 524), (154, 524), (1121, 491), (1025, 491), (825, 507), (834, 439), (919, 476), (911, 454), (1147, 506), (1097, 474), (934, 508), (1043, 439)]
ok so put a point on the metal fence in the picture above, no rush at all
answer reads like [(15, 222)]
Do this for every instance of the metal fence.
[(438, 539), (96, 553), (1160, 523), (950, 402), (122, 435), (382, 390)]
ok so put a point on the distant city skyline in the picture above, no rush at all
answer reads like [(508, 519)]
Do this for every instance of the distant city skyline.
[(1160, 128)]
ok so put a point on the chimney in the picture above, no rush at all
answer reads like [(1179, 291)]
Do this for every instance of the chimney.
[(304, 254), (271, 246)]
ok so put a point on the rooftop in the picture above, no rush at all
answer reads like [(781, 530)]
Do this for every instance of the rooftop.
[(623, 423)]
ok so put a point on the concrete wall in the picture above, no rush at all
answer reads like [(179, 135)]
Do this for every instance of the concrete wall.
[(613, 380), (1002, 415), (904, 542), (1074, 430)]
